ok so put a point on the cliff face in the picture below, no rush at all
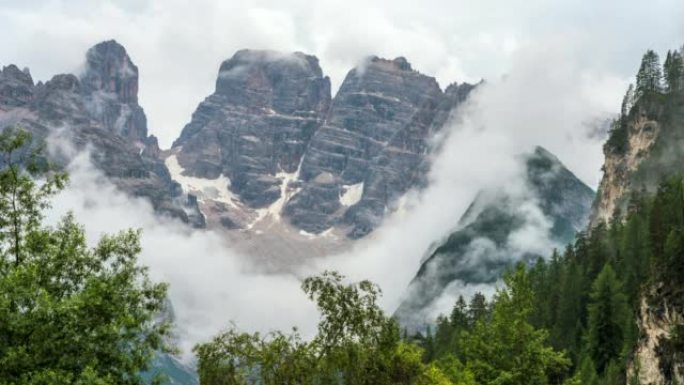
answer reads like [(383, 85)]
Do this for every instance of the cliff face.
[(654, 362), (257, 124), (99, 109), (269, 152), (490, 236), (275, 147), (619, 166), (365, 155), (646, 148)]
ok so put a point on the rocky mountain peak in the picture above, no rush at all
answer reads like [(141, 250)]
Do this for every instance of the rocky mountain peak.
[(398, 64), (16, 86), (369, 148), (108, 68), (63, 82), (250, 135), (110, 89), (97, 110), (12, 72), (275, 81), (281, 149)]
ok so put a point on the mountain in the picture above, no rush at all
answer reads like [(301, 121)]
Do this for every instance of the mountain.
[(99, 110), (284, 151), (269, 158), (646, 146), (493, 234), (368, 150)]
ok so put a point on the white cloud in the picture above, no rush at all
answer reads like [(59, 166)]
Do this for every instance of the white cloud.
[(211, 285), (178, 45)]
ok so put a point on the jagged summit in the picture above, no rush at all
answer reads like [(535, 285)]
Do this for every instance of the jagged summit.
[(257, 124), (287, 149), (270, 138), (16, 86), (98, 108), (110, 84), (274, 80), (399, 63), (109, 69)]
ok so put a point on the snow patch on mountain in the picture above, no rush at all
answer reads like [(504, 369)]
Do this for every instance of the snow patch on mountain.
[(204, 189), (351, 194)]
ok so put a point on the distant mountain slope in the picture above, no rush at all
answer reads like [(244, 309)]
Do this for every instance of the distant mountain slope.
[(493, 233)]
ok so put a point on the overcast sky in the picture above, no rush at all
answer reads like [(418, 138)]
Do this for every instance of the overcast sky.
[(178, 45)]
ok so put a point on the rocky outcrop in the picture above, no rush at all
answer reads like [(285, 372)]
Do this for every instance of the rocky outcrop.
[(110, 88), (402, 164), (99, 110), (654, 361), (16, 87), (642, 130), (492, 233), (278, 147), (267, 147), (367, 153), (257, 123)]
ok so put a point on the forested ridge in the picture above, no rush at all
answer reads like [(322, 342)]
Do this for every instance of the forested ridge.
[(587, 298)]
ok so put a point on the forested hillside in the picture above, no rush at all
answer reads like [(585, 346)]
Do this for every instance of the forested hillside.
[(589, 297), (613, 300)]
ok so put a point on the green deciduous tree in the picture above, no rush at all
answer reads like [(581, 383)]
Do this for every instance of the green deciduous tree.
[(356, 344), (69, 314)]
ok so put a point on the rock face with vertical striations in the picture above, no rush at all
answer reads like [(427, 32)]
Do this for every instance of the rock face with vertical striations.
[(257, 123), (110, 85), (366, 154), (271, 135), (100, 110), (268, 148), (403, 164)]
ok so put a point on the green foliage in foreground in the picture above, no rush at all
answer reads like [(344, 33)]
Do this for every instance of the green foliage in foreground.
[(357, 344), (69, 314)]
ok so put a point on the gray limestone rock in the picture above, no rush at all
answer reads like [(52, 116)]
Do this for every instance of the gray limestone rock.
[(258, 123), (99, 110), (375, 140)]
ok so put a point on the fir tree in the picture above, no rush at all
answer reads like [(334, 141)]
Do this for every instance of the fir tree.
[(673, 70), (627, 102), (608, 313), (649, 77), (478, 309)]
